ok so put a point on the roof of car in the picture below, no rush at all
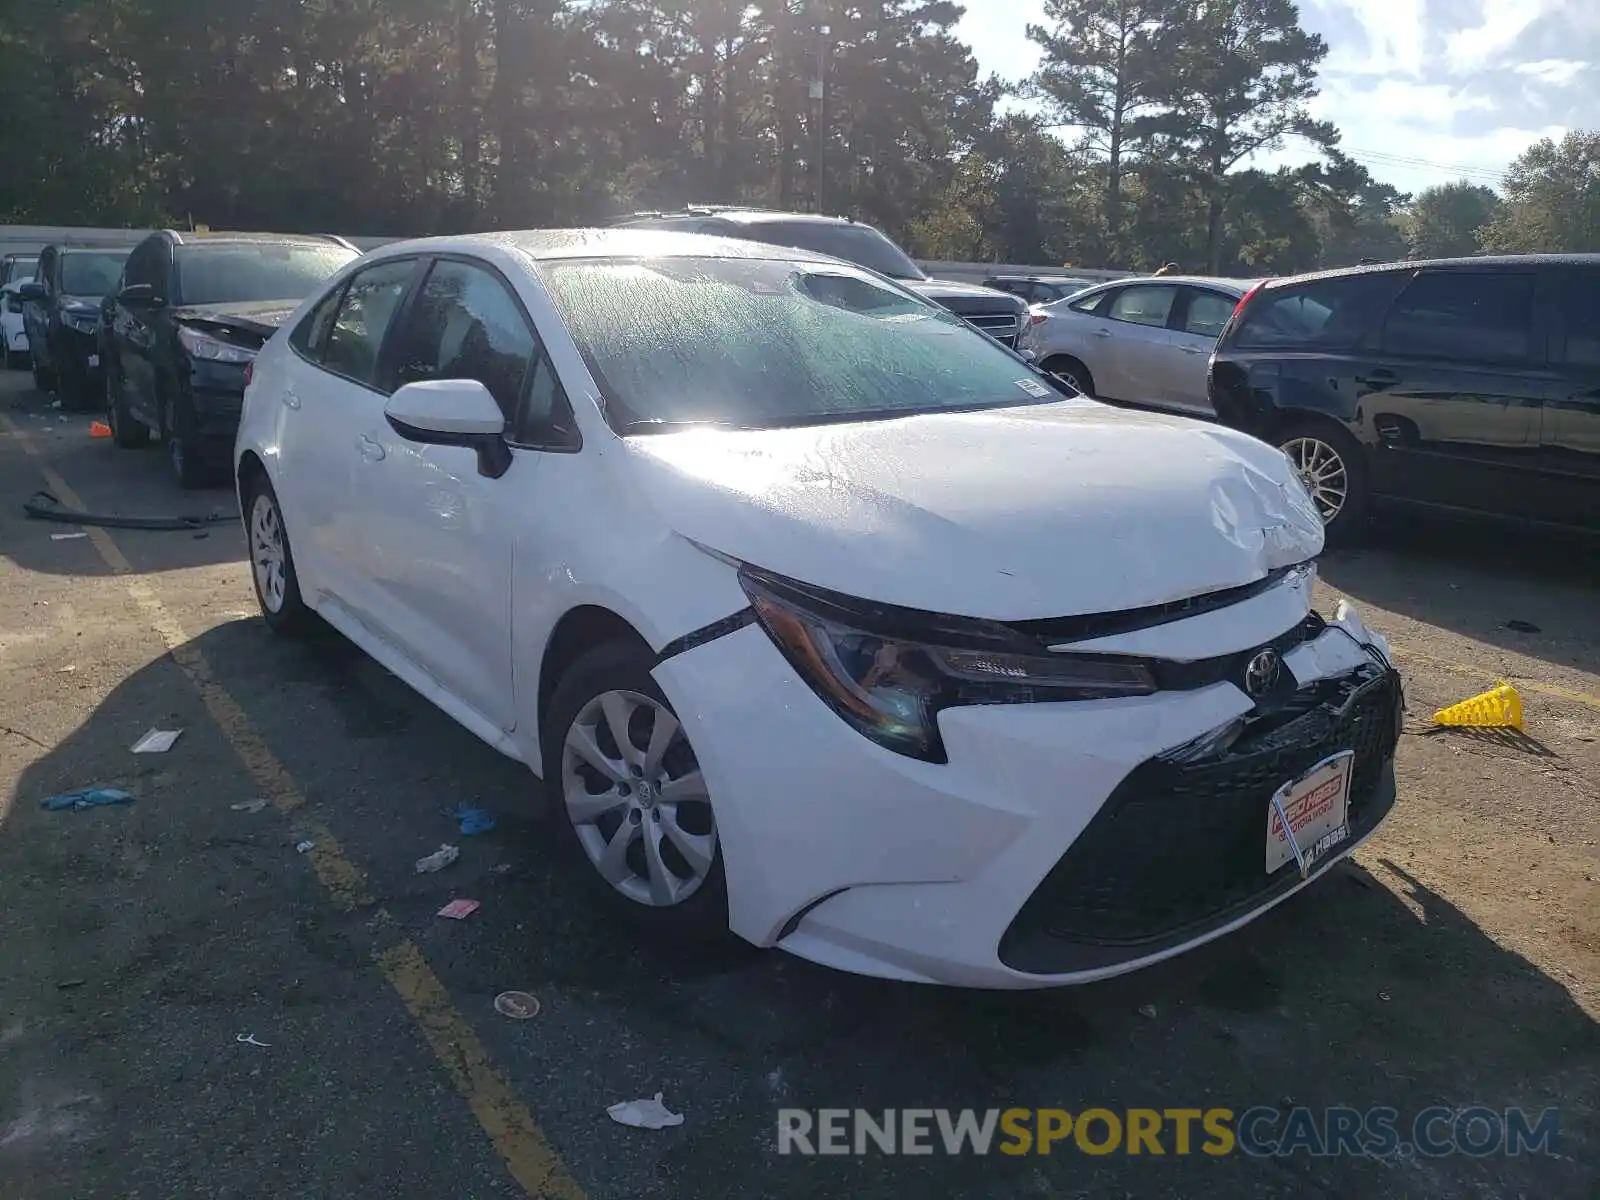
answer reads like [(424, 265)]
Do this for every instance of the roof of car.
[(183, 237), (548, 244), (1237, 286), (736, 213), (1477, 261)]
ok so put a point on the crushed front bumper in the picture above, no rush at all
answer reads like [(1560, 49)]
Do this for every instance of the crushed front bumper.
[(1061, 843)]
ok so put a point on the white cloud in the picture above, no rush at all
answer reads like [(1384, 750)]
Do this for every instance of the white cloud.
[(1394, 31), (1557, 72), (1502, 23)]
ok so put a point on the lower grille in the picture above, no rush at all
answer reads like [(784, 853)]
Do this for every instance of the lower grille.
[(1178, 848), (1000, 326)]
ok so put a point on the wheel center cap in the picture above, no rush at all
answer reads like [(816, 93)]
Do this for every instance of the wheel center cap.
[(647, 793)]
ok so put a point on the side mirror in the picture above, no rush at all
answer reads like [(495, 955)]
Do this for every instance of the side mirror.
[(33, 290), (452, 412), (138, 295)]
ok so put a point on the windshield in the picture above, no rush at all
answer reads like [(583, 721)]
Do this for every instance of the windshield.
[(860, 244), (760, 343), (86, 274), (239, 272)]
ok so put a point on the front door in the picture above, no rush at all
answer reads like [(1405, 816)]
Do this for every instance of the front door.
[(1454, 392), (1198, 321), (440, 534), (1569, 440)]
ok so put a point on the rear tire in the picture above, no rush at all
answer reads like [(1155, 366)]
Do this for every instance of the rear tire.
[(271, 559), (665, 874), (1073, 371), (1333, 467)]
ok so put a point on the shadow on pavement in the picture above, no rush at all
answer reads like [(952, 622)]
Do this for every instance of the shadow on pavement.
[(1532, 595), (189, 919)]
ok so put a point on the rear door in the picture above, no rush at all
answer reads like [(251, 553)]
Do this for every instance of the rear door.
[(1143, 352), (1569, 441), (1454, 391)]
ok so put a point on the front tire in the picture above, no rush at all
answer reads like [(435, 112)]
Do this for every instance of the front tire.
[(1331, 465), (628, 794), (1073, 371), (271, 559), (127, 431), (184, 453)]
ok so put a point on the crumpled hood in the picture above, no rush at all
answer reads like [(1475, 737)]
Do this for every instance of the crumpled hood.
[(1048, 510), (259, 314), (81, 304)]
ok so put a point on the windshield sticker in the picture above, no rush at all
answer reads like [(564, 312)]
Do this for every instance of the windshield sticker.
[(1034, 388)]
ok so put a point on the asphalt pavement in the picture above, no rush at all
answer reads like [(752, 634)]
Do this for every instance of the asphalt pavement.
[(1455, 962)]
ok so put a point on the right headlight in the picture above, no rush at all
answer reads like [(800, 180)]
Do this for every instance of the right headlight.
[(889, 671)]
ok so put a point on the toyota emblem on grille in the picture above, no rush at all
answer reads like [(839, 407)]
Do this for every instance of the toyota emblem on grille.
[(1261, 673)]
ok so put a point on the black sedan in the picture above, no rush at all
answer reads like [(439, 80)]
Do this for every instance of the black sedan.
[(192, 312)]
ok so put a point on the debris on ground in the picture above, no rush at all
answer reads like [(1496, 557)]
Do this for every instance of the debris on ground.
[(157, 741), (66, 985), (473, 820), (43, 506), (249, 806), (249, 1039), (438, 860), (67, 537), (87, 798), (1498, 708), (519, 1006), (1147, 1010), (1523, 627), (305, 847), (459, 910), (644, 1114)]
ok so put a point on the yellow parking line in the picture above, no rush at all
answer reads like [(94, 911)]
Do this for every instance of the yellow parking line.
[(526, 1152)]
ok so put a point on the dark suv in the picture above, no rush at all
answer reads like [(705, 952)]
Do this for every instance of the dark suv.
[(1463, 385), (996, 313), (189, 315), (61, 312)]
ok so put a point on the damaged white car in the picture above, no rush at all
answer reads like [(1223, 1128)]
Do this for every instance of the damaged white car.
[(822, 616)]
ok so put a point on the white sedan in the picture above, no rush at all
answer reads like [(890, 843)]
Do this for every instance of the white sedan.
[(821, 616), (1136, 341), (11, 327)]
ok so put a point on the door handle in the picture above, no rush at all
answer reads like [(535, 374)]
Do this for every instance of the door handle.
[(1102, 333), (372, 451), (1382, 377), (1193, 350), (291, 399)]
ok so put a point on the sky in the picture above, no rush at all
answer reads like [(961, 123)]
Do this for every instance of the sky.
[(1424, 91)]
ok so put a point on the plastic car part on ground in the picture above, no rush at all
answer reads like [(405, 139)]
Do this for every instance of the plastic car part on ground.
[(87, 798), (459, 910), (438, 860), (644, 1114), (1498, 708), (519, 1006), (157, 741), (473, 820), (42, 506)]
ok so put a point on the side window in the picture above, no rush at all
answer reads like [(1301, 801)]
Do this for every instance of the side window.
[(1208, 313), (1089, 304), (466, 325), (1580, 311), (1483, 317), (310, 337), (365, 310), (1143, 305)]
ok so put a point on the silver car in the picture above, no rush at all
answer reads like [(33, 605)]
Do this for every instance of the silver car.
[(1137, 341)]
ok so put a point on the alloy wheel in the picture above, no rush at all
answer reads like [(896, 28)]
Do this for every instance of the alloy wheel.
[(268, 556), (636, 799), (1323, 471)]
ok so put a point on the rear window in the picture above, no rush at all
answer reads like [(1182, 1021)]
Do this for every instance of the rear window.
[(1324, 314)]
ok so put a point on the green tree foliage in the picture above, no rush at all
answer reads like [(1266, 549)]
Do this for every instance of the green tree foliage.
[(1444, 221), (1552, 200)]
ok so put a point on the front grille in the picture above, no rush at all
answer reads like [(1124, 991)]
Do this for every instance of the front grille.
[(1179, 847), (1000, 326)]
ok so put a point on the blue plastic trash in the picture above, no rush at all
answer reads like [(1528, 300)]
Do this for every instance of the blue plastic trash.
[(473, 820), (88, 798)]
